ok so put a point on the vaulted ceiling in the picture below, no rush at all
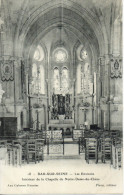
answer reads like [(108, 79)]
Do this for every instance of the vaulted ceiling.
[(88, 21)]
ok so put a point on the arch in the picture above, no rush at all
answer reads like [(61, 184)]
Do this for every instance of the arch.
[(72, 29), (76, 26)]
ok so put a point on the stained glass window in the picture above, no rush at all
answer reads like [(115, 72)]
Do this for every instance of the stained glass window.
[(84, 78), (83, 54), (39, 53), (34, 75), (38, 73), (84, 83), (56, 80), (79, 79), (34, 70), (64, 79), (60, 55), (42, 79), (61, 81)]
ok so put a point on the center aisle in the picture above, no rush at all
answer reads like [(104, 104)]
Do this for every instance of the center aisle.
[(68, 150)]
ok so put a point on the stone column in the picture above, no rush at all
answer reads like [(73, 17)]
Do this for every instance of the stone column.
[(107, 89), (115, 97), (73, 99), (77, 116), (47, 108)]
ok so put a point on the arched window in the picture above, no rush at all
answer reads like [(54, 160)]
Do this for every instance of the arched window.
[(39, 54), (60, 81), (34, 71), (84, 83), (38, 73), (60, 55), (34, 75), (65, 79), (117, 36), (84, 78), (79, 79), (42, 80), (56, 80)]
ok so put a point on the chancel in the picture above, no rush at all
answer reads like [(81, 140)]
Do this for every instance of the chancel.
[(61, 81)]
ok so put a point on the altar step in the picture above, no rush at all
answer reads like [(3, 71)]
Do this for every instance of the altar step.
[(70, 141), (54, 157)]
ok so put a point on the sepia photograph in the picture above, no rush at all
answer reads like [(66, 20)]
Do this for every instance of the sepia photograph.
[(61, 97)]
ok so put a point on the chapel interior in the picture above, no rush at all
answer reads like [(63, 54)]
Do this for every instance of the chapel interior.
[(61, 81)]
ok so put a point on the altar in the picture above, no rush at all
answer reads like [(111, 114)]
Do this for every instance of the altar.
[(66, 126)]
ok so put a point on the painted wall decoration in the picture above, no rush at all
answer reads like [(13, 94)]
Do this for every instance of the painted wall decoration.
[(7, 72), (116, 71)]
